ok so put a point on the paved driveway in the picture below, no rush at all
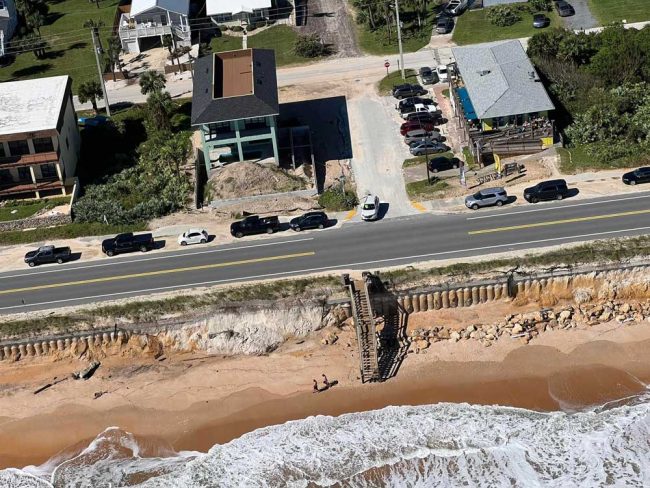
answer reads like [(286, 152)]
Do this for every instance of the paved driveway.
[(583, 19)]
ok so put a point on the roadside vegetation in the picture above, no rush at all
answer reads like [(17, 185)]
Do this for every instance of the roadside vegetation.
[(377, 27), (600, 84), (509, 21), (69, 231), (51, 39), (22, 209), (387, 83), (423, 190), (337, 200), (607, 11)]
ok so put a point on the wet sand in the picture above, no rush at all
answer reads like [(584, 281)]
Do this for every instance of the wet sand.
[(216, 400)]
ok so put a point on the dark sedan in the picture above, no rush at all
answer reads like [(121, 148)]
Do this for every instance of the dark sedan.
[(540, 21), (444, 24), (442, 163), (641, 175), (310, 220), (564, 9)]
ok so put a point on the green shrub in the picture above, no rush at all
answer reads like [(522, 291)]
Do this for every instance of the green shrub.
[(309, 46), (335, 200), (539, 6), (260, 24), (237, 28), (504, 15)]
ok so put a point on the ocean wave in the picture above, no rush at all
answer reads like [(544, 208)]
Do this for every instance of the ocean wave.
[(433, 445)]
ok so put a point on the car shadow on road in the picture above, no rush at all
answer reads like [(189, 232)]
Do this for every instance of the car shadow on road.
[(159, 244), (511, 199), (383, 210), (283, 227), (211, 237), (332, 223), (75, 256), (572, 193)]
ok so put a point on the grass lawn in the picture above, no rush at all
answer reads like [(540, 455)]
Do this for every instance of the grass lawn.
[(418, 160), (71, 47), (414, 38), (19, 209), (607, 11), (395, 78), (280, 38), (473, 27), (423, 191), (575, 160)]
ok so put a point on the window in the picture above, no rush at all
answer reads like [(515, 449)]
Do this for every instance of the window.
[(214, 130), (2, 150), (48, 171), (5, 176), (43, 144), (18, 148), (256, 123), (24, 174)]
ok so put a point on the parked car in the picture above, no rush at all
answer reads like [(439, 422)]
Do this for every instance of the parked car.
[(408, 108), (640, 175), (564, 9), (418, 135), (444, 24), (443, 74), (48, 254), (442, 164), (456, 7), (193, 236), (92, 121), (421, 108), (412, 125), (405, 102), (407, 90), (128, 242), (429, 77), (546, 190), (255, 225), (310, 220), (434, 118), (427, 147), (486, 198), (370, 207), (540, 21)]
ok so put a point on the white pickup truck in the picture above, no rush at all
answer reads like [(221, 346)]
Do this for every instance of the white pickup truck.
[(421, 108)]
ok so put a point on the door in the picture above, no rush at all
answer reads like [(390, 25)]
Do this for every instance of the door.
[(645, 176), (46, 256), (548, 192)]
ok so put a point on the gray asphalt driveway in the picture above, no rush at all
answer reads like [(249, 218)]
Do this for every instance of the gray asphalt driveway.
[(583, 19)]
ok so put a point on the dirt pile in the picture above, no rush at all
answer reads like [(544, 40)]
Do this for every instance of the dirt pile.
[(244, 179)]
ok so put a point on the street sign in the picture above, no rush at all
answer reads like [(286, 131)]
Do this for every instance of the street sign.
[(387, 65)]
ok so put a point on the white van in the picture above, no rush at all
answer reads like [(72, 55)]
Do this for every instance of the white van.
[(456, 7)]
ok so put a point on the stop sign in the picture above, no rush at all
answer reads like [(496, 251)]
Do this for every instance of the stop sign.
[(386, 64)]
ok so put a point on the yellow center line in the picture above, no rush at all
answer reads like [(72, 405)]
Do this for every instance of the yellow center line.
[(558, 222), (156, 273)]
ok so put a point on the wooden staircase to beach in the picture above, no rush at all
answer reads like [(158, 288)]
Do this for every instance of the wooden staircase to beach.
[(366, 332)]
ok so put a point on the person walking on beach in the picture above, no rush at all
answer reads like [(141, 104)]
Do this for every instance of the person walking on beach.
[(315, 390), (326, 382)]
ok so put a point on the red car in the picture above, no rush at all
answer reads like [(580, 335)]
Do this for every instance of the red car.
[(414, 125)]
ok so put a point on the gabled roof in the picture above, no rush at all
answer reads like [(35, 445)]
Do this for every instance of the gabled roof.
[(214, 7), (32, 105), (500, 79), (178, 6), (214, 97)]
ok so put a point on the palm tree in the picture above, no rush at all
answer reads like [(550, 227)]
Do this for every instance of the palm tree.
[(35, 21), (159, 108), (152, 82), (95, 25), (35, 43), (90, 91), (113, 53)]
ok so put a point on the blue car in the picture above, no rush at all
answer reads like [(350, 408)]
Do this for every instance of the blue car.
[(93, 121)]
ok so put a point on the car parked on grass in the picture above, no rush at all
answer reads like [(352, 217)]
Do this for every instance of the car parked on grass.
[(421, 135), (422, 148), (255, 225), (310, 220), (429, 77), (564, 9), (540, 21), (639, 175), (408, 90), (546, 190), (412, 125), (444, 24), (442, 164), (370, 207), (193, 236), (127, 242), (48, 254), (443, 73), (486, 198)]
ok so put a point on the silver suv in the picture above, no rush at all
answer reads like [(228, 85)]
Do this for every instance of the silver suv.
[(486, 198)]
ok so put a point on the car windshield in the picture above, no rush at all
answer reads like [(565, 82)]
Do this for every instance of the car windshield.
[(368, 206), (442, 69), (477, 196)]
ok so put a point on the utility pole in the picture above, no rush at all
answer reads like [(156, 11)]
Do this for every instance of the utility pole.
[(399, 39), (95, 32)]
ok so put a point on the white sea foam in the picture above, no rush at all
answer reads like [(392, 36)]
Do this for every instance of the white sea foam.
[(445, 445)]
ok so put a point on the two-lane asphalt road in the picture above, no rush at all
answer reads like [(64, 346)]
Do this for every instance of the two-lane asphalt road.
[(367, 245)]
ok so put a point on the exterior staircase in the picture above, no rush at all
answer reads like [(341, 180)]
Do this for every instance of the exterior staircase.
[(366, 333)]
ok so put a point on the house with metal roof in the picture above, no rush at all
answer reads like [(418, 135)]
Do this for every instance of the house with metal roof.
[(8, 23), (235, 105), (244, 12), (496, 90), (146, 19)]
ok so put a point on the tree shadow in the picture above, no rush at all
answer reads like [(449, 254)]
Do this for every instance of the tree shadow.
[(78, 45), (35, 69), (53, 54), (53, 17), (393, 342)]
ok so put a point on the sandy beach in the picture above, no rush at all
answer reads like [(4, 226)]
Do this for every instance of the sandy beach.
[(191, 402)]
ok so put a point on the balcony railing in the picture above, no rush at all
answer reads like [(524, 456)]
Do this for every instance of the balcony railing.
[(130, 28), (18, 187), (29, 159)]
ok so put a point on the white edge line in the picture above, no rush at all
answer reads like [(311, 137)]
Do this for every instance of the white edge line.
[(324, 268), (563, 207), (189, 252)]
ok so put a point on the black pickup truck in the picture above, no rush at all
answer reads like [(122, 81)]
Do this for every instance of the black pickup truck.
[(255, 225), (48, 254), (127, 243)]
